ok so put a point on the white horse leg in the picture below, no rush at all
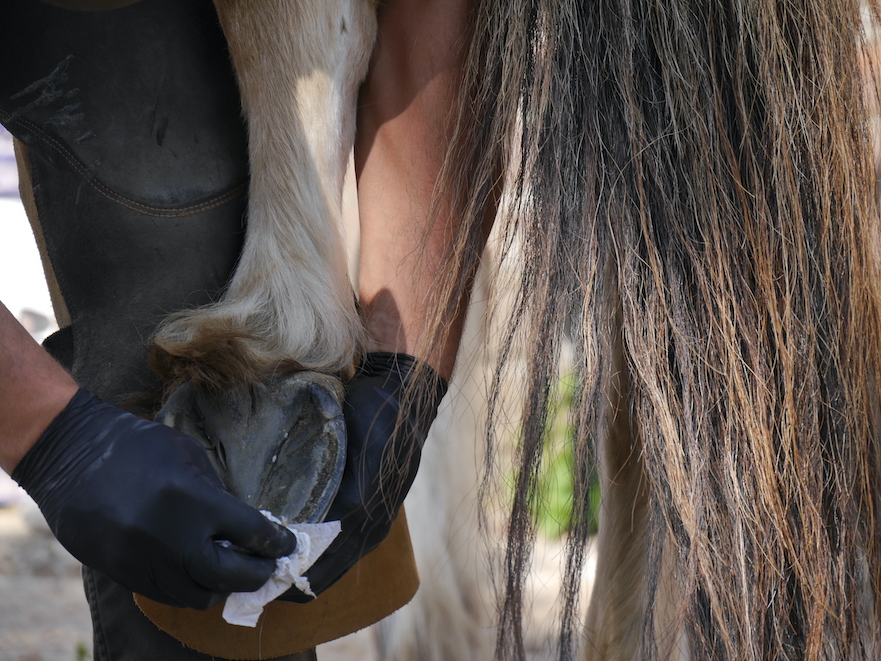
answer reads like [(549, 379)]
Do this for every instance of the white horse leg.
[(299, 65), (448, 619), (616, 613)]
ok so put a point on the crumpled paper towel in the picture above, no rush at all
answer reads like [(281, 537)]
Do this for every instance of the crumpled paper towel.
[(244, 608)]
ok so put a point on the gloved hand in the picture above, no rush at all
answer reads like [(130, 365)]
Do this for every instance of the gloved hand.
[(140, 502), (381, 462)]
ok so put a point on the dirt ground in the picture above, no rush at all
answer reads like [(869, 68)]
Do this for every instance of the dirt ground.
[(44, 616)]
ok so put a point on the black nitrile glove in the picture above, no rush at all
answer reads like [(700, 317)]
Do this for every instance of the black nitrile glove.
[(380, 464), (140, 502)]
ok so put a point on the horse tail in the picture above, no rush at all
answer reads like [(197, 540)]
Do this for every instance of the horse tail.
[(691, 181)]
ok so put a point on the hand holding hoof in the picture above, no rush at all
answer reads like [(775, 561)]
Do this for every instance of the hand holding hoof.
[(141, 503)]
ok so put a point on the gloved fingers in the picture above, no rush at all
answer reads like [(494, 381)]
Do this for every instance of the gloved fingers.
[(184, 593), (225, 570), (196, 597), (249, 530)]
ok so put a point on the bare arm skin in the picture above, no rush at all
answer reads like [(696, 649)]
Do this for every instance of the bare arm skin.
[(33, 390), (399, 149)]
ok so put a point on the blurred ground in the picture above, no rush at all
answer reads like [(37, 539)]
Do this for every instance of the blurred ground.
[(44, 615), (43, 612)]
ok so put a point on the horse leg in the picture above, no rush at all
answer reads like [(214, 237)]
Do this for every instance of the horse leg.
[(447, 620), (289, 305), (616, 614), (274, 433), (289, 302)]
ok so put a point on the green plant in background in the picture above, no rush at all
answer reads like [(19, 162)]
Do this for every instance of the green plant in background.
[(81, 652), (553, 504)]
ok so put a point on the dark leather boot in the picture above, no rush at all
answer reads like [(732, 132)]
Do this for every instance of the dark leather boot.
[(137, 160)]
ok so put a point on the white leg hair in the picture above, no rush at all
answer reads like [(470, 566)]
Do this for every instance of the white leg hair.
[(616, 613), (299, 64), (449, 619)]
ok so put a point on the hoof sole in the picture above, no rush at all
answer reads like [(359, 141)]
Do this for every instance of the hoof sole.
[(278, 445)]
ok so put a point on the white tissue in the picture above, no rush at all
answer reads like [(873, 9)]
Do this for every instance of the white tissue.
[(244, 608)]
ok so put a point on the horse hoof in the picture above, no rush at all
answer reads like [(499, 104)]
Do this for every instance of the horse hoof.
[(279, 445)]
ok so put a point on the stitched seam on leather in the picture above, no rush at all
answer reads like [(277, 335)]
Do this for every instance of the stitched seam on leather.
[(99, 637), (159, 212)]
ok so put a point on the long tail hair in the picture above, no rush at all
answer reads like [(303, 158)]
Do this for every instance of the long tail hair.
[(699, 171)]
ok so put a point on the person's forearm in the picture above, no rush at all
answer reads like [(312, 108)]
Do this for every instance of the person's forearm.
[(33, 390), (401, 141)]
